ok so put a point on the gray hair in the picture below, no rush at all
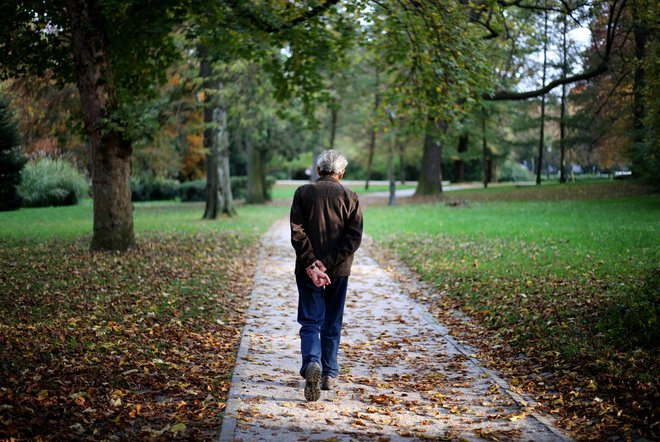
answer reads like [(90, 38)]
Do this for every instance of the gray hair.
[(331, 162)]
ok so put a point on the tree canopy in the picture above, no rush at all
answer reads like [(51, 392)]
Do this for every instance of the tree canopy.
[(357, 69)]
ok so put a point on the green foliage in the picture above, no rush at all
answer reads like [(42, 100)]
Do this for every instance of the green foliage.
[(11, 162), (47, 182), (154, 189), (141, 45), (434, 58), (193, 191), (511, 171), (239, 186), (196, 190)]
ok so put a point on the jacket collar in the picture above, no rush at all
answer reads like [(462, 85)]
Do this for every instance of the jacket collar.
[(328, 178)]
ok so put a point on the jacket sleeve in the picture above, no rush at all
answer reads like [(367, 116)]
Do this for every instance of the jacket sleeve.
[(351, 239), (299, 239)]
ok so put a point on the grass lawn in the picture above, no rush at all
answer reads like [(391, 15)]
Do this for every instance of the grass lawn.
[(75, 222), (131, 346), (284, 192), (570, 283)]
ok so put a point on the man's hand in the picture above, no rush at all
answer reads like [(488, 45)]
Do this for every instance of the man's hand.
[(318, 275), (320, 266)]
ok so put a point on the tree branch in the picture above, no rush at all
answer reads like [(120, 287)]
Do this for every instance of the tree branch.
[(266, 26), (508, 95), (614, 15)]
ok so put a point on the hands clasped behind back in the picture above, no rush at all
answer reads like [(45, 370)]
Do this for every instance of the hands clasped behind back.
[(317, 274)]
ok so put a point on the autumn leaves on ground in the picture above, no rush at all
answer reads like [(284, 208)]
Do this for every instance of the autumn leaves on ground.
[(135, 346), (563, 298)]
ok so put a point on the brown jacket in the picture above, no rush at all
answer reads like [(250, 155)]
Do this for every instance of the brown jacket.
[(326, 224)]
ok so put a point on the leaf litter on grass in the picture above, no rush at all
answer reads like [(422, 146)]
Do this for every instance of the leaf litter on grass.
[(541, 328), (133, 346)]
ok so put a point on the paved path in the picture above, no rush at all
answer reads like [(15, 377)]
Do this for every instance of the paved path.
[(402, 376)]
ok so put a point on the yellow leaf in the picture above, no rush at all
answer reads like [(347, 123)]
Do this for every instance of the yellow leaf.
[(178, 427)]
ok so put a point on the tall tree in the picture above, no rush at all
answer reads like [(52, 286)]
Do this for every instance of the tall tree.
[(562, 114), (433, 54), (391, 176), (614, 112), (539, 162), (113, 51), (216, 139), (430, 181), (371, 146)]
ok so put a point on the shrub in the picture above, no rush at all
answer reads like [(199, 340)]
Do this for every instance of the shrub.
[(193, 191), (196, 190), (11, 162), (239, 187), (512, 171), (46, 182), (154, 189)]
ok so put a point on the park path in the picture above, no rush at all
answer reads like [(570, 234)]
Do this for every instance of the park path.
[(402, 376)]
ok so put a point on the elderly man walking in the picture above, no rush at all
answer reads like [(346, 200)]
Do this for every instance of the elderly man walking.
[(326, 230)]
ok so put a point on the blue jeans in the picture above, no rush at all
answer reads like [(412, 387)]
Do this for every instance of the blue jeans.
[(320, 314)]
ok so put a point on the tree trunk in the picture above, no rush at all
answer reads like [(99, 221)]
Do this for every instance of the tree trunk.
[(370, 155), (459, 164), (430, 175), (333, 123), (484, 143), (315, 155), (224, 176), (402, 161), (641, 32), (562, 111), (390, 164), (539, 169), (210, 137), (216, 144), (372, 135), (255, 175), (111, 151)]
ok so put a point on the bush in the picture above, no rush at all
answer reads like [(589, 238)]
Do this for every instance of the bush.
[(193, 191), (512, 171), (239, 187), (196, 190), (11, 162), (47, 182), (154, 189)]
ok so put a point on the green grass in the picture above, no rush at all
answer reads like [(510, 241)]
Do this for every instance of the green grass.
[(546, 273), (74, 222), (286, 191), (156, 326), (573, 284), (607, 234)]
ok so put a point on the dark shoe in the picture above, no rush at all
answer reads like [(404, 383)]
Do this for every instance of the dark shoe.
[(328, 383), (313, 382)]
